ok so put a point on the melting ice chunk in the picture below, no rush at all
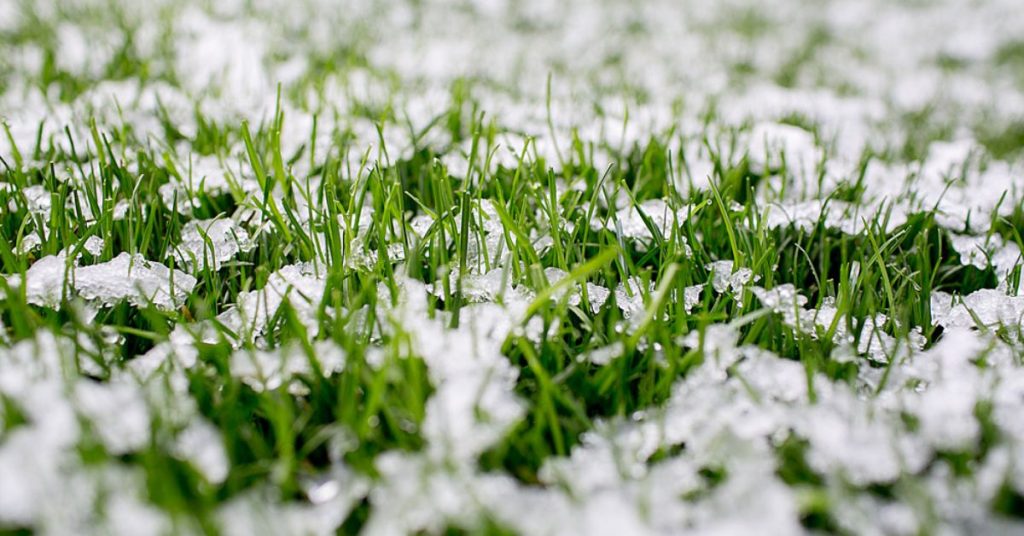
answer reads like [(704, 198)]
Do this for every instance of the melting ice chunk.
[(265, 370), (208, 243), (201, 445), (783, 299), (985, 306), (44, 280), (723, 278), (773, 145), (603, 355), (661, 216), (299, 284), (133, 278), (126, 277), (93, 245), (691, 296), (118, 413)]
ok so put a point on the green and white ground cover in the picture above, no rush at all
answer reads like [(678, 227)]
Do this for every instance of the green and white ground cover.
[(511, 267)]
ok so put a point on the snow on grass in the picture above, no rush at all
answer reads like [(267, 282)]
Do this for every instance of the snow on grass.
[(531, 267)]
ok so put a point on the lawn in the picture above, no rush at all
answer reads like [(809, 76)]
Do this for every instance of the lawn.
[(511, 267)]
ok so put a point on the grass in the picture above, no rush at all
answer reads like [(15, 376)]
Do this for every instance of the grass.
[(271, 436), (352, 217)]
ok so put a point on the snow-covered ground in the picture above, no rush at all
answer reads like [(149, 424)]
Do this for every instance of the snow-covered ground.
[(120, 347)]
